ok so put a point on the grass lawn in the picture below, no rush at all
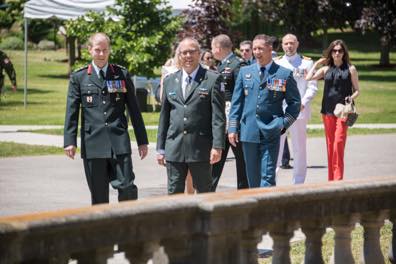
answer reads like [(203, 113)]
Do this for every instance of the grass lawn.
[(48, 80), (9, 149)]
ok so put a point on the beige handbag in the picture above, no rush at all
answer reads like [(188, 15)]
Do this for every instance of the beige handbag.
[(347, 111)]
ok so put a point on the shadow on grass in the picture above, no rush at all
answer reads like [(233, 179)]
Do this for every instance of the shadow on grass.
[(54, 76), (12, 103), (387, 76)]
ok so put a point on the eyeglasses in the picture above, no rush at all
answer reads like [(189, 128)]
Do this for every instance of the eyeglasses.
[(337, 51), (186, 52)]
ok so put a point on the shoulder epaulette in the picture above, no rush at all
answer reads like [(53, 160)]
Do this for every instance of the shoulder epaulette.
[(306, 58), (82, 68), (278, 58), (119, 66)]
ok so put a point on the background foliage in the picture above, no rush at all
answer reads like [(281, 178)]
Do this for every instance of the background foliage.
[(141, 39)]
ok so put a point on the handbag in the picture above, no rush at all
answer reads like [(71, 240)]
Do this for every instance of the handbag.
[(348, 111)]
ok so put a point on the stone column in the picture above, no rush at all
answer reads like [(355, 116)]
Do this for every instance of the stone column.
[(372, 223), (97, 256), (313, 231), (392, 246), (281, 234), (248, 250), (178, 250), (342, 225), (139, 253)]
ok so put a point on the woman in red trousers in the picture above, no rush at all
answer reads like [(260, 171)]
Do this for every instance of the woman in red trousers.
[(340, 83)]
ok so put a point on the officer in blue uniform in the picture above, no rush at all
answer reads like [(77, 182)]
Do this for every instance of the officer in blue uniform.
[(103, 91), (257, 112)]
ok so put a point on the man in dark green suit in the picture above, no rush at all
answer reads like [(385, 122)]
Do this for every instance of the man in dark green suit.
[(228, 66), (5, 63), (192, 121), (103, 90)]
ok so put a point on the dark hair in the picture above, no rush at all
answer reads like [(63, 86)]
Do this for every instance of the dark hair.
[(269, 40), (203, 52), (246, 42), (275, 43), (329, 50)]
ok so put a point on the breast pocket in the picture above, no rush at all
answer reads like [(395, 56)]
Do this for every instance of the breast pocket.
[(117, 98), (90, 97)]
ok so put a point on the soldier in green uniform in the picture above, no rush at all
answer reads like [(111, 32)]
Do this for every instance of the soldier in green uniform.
[(6, 64), (228, 66), (192, 121), (103, 91)]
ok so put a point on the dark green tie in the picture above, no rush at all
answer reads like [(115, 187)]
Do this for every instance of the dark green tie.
[(262, 73), (188, 87)]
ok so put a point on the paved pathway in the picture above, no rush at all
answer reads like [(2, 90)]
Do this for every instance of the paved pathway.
[(42, 183)]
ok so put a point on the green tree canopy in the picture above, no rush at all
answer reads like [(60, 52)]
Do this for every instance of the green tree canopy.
[(142, 38)]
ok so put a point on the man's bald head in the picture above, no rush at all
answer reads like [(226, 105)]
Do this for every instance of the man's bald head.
[(290, 44)]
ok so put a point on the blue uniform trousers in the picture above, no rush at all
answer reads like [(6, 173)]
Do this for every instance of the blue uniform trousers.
[(260, 161)]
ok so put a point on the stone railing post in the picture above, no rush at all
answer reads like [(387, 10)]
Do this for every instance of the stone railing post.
[(249, 242), (342, 253), (97, 256), (372, 223), (313, 231), (392, 246), (178, 250), (139, 253), (281, 234)]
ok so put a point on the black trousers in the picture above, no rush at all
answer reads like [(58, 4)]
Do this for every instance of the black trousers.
[(177, 173), (286, 154), (242, 182), (117, 171)]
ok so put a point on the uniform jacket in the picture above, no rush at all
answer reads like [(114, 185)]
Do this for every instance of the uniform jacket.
[(257, 107), (189, 129), (6, 64), (300, 66), (229, 70), (104, 126)]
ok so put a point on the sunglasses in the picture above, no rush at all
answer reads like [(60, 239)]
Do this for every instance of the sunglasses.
[(337, 51)]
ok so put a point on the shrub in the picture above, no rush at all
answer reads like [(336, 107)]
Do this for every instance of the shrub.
[(46, 45), (13, 43)]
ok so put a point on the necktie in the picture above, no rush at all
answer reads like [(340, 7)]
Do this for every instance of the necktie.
[(262, 73), (188, 86), (102, 76)]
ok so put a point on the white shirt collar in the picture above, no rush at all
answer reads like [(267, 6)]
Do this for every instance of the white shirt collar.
[(97, 69), (193, 74)]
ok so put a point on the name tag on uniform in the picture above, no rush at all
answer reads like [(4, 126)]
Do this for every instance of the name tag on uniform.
[(277, 85), (116, 86), (203, 92)]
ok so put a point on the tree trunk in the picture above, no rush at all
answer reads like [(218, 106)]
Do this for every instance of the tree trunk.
[(385, 49), (72, 52), (325, 39)]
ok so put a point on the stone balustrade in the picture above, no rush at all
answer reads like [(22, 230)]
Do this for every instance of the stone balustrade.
[(210, 228)]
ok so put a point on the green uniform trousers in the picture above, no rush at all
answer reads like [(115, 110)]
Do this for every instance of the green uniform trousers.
[(117, 171), (201, 173)]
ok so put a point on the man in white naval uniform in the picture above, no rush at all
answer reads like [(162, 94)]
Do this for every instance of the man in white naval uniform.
[(300, 65)]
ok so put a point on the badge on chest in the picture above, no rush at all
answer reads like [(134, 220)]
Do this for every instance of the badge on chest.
[(116, 86), (276, 85)]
